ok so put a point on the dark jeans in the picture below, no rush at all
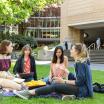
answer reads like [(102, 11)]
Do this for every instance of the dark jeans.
[(58, 88), (71, 76)]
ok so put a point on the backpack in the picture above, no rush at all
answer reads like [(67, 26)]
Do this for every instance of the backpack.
[(97, 87)]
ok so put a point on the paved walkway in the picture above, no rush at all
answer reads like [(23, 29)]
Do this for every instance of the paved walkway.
[(97, 66), (93, 66)]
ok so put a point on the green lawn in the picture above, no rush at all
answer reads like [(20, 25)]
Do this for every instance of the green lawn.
[(42, 72)]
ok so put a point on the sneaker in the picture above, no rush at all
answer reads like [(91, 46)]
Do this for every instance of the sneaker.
[(1, 93), (24, 94), (68, 97)]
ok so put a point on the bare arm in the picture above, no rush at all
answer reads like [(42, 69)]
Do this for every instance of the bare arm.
[(72, 82), (66, 66), (51, 72), (66, 61)]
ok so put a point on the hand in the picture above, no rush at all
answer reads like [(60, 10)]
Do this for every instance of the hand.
[(10, 77), (57, 80)]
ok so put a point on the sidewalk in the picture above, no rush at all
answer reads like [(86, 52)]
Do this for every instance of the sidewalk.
[(93, 66)]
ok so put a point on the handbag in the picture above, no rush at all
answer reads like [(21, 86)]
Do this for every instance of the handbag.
[(97, 87)]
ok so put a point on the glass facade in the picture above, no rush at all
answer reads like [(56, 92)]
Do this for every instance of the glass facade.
[(45, 25)]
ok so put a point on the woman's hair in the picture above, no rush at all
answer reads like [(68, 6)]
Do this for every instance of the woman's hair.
[(54, 60), (3, 46), (82, 50), (25, 47)]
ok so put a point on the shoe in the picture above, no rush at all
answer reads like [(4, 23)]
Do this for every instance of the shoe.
[(24, 94), (1, 93), (68, 97)]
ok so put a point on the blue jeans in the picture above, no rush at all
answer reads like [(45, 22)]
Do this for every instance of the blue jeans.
[(61, 88), (46, 79)]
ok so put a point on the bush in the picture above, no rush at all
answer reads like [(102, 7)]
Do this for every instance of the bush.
[(19, 40)]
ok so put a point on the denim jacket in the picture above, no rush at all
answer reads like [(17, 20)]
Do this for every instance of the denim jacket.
[(84, 78)]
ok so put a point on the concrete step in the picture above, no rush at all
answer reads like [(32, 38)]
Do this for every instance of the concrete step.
[(102, 62), (97, 53), (96, 56)]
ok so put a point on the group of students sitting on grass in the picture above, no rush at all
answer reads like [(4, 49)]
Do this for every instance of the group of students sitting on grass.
[(60, 79)]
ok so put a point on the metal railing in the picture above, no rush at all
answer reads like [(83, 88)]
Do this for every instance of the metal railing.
[(92, 46)]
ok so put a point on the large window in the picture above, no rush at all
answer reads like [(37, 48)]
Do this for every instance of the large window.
[(46, 23)]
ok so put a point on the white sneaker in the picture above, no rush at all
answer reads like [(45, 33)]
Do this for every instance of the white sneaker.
[(68, 97), (24, 94), (1, 93)]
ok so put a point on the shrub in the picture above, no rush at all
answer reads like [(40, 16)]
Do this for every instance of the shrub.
[(19, 40)]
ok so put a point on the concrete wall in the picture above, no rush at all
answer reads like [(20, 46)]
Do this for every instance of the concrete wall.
[(79, 12)]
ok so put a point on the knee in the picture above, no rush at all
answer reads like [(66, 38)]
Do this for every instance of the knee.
[(18, 87), (55, 86)]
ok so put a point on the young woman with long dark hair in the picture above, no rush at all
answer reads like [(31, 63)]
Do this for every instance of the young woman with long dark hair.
[(59, 65)]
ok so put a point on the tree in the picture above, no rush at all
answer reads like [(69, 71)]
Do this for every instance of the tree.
[(16, 11)]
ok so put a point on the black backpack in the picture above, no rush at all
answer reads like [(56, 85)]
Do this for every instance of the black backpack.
[(97, 87)]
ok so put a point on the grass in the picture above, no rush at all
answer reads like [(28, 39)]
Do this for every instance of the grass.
[(98, 76)]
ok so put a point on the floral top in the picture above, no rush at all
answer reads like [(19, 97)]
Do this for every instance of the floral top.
[(59, 70)]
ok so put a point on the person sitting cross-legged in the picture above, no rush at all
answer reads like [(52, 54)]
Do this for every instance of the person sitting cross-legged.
[(7, 80), (59, 66), (25, 66)]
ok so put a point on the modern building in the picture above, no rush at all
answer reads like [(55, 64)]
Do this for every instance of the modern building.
[(13, 29), (82, 21), (44, 25)]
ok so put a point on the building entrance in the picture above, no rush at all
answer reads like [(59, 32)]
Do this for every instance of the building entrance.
[(91, 35)]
